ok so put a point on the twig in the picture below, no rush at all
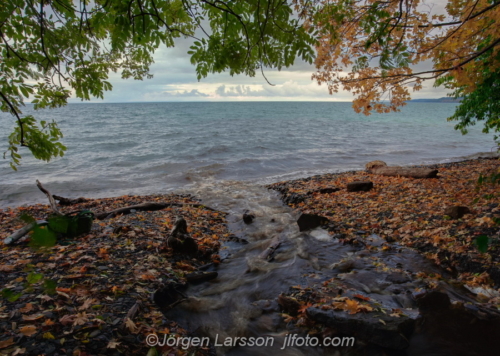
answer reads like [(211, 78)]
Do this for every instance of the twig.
[(52, 202)]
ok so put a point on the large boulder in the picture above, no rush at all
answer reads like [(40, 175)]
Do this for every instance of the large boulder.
[(375, 164)]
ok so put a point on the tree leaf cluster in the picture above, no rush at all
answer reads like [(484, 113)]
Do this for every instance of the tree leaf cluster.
[(52, 50)]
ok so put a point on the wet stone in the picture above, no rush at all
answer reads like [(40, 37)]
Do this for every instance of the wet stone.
[(397, 278), (310, 221), (393, 333)]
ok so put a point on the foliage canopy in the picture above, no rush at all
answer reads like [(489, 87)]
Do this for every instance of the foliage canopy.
[(372, 48), (50, 49)]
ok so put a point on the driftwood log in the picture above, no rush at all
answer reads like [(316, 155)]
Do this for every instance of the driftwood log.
[(23, 231), (67, 201), (405, 172), (146, 207), (268, 253)]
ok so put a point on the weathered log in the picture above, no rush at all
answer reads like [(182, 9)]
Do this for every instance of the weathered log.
[(67, 201), (52, 202), (200, 276), (405, 172), (268, 253), (148, 206), (21, 232)]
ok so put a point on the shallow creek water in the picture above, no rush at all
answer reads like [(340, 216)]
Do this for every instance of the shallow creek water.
[(241, 301)]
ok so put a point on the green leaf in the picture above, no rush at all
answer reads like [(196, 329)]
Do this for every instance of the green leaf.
[(42, 237), (49, 286), (33, 278), (482, 243), (10, 295)]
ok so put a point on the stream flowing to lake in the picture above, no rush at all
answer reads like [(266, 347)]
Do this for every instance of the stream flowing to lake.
[(241, 302)]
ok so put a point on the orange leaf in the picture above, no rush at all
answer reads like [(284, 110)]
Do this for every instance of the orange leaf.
[(32, 317), (362, 297), (27, 308), (351, 306), (6, 343), (28, 330)]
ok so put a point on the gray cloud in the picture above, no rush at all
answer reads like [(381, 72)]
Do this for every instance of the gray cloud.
[(185, 93)]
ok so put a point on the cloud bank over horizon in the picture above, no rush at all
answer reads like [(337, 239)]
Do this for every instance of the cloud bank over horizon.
[(175, 80)]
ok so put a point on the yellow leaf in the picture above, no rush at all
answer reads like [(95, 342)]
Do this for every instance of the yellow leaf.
[(49, 336)]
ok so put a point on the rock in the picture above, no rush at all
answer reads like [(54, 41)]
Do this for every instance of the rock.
[(179, 239), (311, 221), (375, 164), (248, 218), (453, 329), (393, 333), (359, 186), (432, 302), (186, 244), (288, 304), (293, 198), (167, 295), (456, 212), (180, 227), (325, 191), (397, 278)]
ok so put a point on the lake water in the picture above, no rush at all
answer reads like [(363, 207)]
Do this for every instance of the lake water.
[(140, 148)]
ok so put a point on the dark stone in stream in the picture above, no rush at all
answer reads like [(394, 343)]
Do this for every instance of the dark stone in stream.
[(169, 294), (293, 198), (288, 304), (248, 218), (359, 186), (311, 221), (392, 334), (454, 329), (397, 278)]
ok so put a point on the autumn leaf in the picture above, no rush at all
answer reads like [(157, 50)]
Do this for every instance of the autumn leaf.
[(67, 319), (7, 268), (130, 325), (362, 297), (28, 330), (27, 308), (7, 343), (304, 307), (112, 344), (80, 319), (351, 306), (48, 336), (32, 317)]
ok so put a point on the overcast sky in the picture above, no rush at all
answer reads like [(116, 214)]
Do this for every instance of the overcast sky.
[(175, 80)]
